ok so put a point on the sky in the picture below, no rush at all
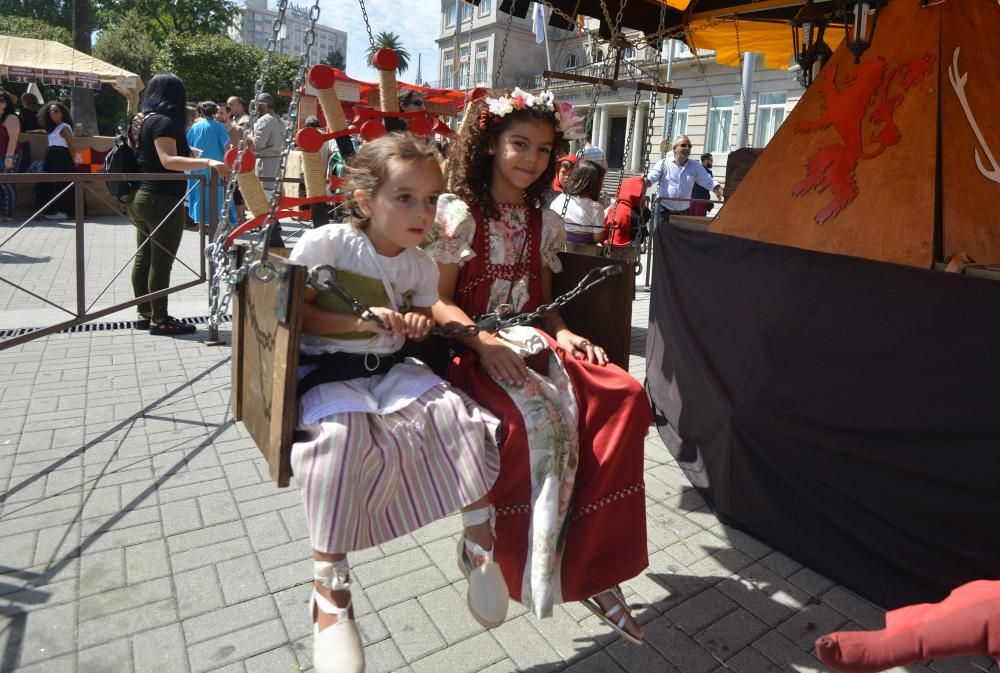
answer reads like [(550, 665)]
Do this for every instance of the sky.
[(417, 22)]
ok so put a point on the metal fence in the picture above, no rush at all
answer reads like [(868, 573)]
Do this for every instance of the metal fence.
[(95, 184)]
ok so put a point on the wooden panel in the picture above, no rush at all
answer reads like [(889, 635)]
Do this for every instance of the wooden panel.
[(850, 171), (236, 360), (269, 352), (604, 313), (970, 217)]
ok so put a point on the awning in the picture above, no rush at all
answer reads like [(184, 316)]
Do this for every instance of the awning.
[(26, 60), (730, 39)]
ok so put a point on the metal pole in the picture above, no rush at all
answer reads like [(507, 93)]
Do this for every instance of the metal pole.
[(743, 128), (81, 267), (457, 63), (670, 74)]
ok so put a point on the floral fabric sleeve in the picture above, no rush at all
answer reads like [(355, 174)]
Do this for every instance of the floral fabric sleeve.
[(450, 238), (553, 239)]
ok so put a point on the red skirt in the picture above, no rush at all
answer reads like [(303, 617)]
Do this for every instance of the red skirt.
[(605, 541)]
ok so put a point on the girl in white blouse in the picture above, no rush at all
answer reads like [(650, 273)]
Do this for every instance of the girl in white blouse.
[(584, 214)]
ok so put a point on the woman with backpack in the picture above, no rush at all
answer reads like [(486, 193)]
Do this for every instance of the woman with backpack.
[(162, 148)]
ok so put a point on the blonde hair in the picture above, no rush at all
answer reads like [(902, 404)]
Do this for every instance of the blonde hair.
[(369, 168)]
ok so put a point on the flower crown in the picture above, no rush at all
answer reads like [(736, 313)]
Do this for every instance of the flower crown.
[(568, 123)]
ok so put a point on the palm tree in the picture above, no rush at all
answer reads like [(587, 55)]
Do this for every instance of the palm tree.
[(392, 41)]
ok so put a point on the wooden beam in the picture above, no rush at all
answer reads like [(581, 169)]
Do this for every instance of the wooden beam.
[(612, 83), (748, 8)]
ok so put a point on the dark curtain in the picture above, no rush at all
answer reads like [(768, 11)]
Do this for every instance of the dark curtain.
[(844, 411)]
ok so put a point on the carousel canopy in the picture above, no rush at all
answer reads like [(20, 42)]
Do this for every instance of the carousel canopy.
[(26, 60)]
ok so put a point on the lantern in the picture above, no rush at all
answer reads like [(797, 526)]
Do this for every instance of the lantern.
[(860, 26), (808, 27)]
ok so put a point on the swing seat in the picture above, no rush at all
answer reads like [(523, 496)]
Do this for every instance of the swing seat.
[(267, 325)]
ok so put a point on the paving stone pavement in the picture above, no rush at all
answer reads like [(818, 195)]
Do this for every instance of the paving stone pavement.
[(140, 532)]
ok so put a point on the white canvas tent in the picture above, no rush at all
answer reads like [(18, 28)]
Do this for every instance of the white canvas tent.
[(24, 60)]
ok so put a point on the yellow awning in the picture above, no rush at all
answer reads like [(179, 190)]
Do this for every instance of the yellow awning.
[(680, 5), (773, 39)]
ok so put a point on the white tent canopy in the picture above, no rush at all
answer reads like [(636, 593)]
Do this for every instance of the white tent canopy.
[(26, 60)]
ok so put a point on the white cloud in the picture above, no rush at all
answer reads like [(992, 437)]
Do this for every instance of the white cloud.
[(417, 23)]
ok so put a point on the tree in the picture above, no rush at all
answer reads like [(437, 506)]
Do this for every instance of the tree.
[(35, 29), (335, 59), (386, 40), (215, 67), (58, 13), (165, 19), (84, 112), (128, 46)]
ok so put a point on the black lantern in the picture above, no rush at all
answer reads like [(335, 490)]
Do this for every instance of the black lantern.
[(808, 27), (859, 22)]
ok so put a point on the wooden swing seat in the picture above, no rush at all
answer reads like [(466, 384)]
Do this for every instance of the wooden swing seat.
[(267, 324)]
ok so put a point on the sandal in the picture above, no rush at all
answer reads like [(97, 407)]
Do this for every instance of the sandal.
[(142, 322), (171, 327), (337, 648), (608, 617), (488, 597)]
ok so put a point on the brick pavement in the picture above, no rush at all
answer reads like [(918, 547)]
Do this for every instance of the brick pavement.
[(140, 533)]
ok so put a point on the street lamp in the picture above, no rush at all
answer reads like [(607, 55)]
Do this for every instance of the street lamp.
[(811, 53), (859, 23)]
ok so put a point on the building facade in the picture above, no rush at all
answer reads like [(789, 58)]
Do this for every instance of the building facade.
[(470, 59), (708, 111), (257, 22)]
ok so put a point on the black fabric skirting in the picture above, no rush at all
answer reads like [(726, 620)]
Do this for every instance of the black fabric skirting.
[(845, 412), (57, 160)]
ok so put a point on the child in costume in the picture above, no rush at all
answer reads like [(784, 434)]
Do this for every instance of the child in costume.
[(389, 446), (570, 504)]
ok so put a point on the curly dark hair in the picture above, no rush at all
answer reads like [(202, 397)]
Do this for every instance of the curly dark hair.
[(369, 168), (470, 169), (45, 120)]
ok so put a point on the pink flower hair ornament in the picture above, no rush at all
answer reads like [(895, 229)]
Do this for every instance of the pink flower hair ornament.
[(568, 123)]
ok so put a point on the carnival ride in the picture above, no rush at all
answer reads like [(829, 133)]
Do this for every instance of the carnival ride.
[(820, 379)]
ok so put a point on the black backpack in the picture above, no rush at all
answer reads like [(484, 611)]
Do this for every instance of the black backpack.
[(123, 158)]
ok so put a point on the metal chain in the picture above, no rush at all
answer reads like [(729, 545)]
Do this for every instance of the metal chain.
[(368, 25), (222, 261), (271, 221), (503, 47), (324, 277)]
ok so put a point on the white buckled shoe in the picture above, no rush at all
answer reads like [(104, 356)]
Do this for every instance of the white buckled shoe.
[(488, 597), (337, 648)]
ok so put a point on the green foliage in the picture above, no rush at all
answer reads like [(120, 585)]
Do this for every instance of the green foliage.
[(386, 40), (36, 29), (335, 59), (128, 45), (163, 19), (55, 12), (215, 67)]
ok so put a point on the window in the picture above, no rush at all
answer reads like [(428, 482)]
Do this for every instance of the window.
[(467, 11), (463, 74), (598, 56), (629, 53), (680, 123), (770, 114), (720, 122), (449, 15), (571, 61), (485, 6), (482, 58), (447, 65)]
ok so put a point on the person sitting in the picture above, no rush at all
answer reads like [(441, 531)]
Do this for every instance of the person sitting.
[(627, 216), (410, 100), (564, 167), (584, 214)]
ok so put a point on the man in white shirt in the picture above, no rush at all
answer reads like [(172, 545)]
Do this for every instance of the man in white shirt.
[(675, 178), (268, 142)]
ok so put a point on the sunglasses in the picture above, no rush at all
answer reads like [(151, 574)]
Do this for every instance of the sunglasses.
[(227, 108), (683, 144), (416, 103)]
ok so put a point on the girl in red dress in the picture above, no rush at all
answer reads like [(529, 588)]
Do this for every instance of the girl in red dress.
[(570, 519)]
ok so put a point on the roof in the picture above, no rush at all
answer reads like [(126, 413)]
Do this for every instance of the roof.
[(39, 55)]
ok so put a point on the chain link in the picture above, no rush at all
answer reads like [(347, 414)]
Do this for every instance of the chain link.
[(503, 47), (324, 277), (744, 103), (368, 25), (562, 44), (271, 221)]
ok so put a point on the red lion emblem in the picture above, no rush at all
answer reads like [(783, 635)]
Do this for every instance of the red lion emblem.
[(846, 109)]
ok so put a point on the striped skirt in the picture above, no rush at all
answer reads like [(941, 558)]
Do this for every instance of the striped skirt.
[(367, 478)]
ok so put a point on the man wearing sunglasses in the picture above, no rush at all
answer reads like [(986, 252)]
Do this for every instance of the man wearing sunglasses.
[(409, 101), (675, 179)]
